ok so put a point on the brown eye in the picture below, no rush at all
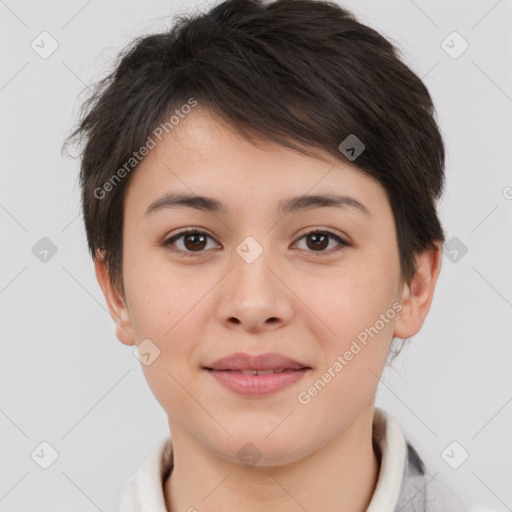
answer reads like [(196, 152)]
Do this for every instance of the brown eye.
[(191, 240), (194, 241), (318, 241)]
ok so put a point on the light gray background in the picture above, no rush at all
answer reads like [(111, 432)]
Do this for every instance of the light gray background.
[(64, 377)]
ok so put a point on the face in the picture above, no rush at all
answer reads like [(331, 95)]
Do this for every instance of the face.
[(318, 284)]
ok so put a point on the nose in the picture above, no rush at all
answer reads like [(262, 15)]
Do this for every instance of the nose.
[(254, 297)]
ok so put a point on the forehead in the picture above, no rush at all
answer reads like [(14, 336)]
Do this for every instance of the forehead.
[(202, 155)]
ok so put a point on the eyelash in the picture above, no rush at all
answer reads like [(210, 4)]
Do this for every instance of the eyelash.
[(169, 242)]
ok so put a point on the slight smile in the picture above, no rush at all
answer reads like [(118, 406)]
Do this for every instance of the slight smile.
[(259, 375)]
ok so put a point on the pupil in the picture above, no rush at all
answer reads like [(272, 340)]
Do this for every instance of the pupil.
[(316, 237), (194, 244)]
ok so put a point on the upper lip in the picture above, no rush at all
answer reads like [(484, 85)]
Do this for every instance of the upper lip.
[(266, 361)]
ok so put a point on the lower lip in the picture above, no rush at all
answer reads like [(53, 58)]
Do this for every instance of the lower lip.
[(257, 385)]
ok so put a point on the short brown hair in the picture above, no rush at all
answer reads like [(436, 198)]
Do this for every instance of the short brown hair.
[(303, 73)]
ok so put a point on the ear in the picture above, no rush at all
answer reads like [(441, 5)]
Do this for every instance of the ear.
[(116, 303), (417, 295)]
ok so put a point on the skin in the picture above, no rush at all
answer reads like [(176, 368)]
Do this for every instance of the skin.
[(316, 456)]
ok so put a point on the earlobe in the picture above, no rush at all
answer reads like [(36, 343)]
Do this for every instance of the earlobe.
[(115, 302), (418, 294)]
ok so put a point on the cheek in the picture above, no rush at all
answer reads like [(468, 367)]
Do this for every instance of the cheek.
[(162, 295), (164, 309), (360, 314), (351, 300)]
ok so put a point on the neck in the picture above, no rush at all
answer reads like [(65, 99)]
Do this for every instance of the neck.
[(342, 475)]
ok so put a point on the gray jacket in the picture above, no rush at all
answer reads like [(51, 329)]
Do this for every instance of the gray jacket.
[(421, 492)]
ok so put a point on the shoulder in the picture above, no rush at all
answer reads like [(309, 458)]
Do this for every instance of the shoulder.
[(442, 498), (129, 500), (421, 492), (144, 490)]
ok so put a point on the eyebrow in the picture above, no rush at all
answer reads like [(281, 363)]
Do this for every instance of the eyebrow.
[(285, 206)]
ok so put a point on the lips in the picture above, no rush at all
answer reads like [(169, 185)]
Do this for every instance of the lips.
[(269, 362), (257, 376), (256, 372)]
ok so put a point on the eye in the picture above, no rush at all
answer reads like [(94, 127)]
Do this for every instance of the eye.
[(195, 241), (318, 240)]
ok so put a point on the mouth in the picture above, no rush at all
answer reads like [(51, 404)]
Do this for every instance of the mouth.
[(256, 375), (245, 362), (252, 371), (251, 383)]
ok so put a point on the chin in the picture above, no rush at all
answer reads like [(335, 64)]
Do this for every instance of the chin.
[(256, 448)]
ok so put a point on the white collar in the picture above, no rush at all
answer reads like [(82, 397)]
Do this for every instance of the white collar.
[(144, 491), (388, 437)]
